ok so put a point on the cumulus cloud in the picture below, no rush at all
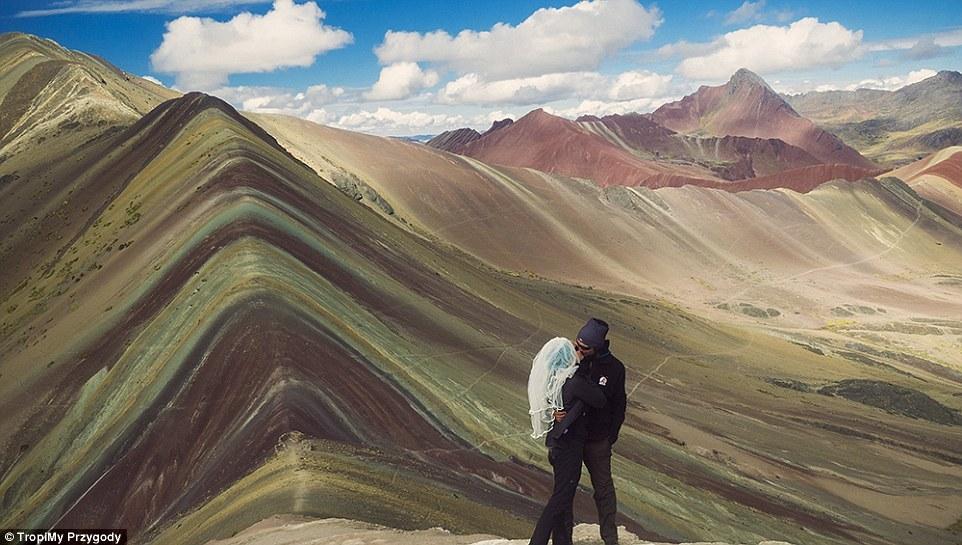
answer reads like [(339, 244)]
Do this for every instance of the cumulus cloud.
[(950, 38), (401, 80), (885, 83), (136, 6), (631, 85), (605, 107), (387, 121), (924, 49), (550, 40), (471, 89), (202, 52), (748, 11), (639, 84), (806, 43), (685, 49), (893, 82), (152, 79), (308, 104)]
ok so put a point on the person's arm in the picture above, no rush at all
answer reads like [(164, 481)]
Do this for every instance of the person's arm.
[(585, 393), (619, 403), (571, 415), (591, 394)]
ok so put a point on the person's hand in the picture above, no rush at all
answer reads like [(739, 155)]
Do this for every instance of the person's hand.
[(559, 416)]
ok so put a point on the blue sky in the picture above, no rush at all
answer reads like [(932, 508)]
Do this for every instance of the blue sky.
[(411, 67)]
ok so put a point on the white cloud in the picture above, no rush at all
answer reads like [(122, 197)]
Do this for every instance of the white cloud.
[(472, 89), (894, 82), (684, 49), (152, 79), (923, 49), (806, 43), (138, 6), (748, 11), (602, 108), (202, 52), (274, 100), (387, 121), (321, 116), (950, 38), (644, 84), (538, 90), (886, 83), (890, 83), (550, 40), (401, 80)]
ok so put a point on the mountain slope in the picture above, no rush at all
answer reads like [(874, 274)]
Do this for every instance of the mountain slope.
[(938, 177), (694, 246), (634, 151), (747, 106), (200, 332), (60, 99), (254, 339), (848, 271), (235, 336), (892, 126), (730, 157), (454, 141), (553, 144)]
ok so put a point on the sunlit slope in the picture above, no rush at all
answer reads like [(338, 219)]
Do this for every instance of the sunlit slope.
[(225, 297), (229, 337), (62, 115), (776, 257), (937, 177), (892, 127), (802, 265), (54, 100)]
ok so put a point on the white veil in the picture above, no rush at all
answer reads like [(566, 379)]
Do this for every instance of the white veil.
[(554, 364)]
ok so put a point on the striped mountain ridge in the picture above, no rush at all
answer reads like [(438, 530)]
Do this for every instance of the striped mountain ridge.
[(274, 262), (201, 332), (268, 354), (59, 99)]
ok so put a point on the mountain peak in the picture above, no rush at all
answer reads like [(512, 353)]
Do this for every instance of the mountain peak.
[(499, 125), (539, 117), (949, 76), (744, 77)]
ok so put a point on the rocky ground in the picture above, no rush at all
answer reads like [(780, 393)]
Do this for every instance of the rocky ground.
[(291, 530)]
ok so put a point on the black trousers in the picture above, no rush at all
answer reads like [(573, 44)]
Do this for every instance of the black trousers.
[(557, 517), (597, 457)]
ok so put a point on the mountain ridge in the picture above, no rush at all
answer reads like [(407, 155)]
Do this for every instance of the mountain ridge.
[(747, 106), (898, 126)]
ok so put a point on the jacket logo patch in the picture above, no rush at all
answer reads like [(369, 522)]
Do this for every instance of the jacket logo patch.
[(603, 381)]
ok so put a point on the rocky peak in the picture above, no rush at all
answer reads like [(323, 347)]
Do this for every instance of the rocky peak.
[(746, 78), (499, 125), (948, 76)]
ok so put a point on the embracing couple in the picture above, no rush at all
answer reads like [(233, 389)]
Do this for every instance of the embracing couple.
[(577, 395)]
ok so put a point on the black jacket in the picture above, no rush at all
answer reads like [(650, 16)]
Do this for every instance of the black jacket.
[(577, 394), (607, 372)]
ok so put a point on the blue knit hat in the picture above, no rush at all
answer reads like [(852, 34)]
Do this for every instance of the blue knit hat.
[(593, 333)]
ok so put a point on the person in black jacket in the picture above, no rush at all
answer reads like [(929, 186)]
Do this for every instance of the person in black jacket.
[(565, 444), (603, 423)]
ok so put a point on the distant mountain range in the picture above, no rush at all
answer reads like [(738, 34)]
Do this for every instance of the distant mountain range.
[(718, 137), (747, 106), (892, 127)]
